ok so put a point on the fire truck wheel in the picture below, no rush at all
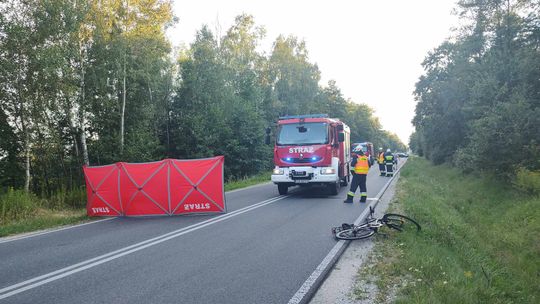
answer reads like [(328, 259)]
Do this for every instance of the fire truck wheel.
[(333, 188), (282, 189)]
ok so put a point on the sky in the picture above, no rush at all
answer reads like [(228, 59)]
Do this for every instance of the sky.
[(373, 49)]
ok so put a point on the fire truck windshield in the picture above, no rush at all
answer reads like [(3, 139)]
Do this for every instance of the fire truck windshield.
[(364, 147), (303, 134)]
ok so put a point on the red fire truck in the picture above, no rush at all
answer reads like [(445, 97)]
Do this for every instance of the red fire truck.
[(367, 147), (311, 149)]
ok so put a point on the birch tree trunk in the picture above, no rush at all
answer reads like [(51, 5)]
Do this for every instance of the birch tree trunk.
[(82, 112), (83, 142), (26, 151), (27, 165), (123, 110)]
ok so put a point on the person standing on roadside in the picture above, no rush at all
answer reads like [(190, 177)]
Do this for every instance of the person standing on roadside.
[(360, 163), (381, 162), (389, 160), (396, 158)]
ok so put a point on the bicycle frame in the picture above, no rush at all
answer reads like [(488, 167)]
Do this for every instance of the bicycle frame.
[(371, 226), (371, 223)]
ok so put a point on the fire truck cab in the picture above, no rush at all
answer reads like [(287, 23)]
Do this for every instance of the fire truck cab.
[(311, 149)]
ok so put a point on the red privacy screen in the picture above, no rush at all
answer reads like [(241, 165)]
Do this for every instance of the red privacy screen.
[(166, 187)]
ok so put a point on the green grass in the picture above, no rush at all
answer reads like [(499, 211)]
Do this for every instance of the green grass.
[(248, 181), (480, 241), (21, 212), (44, 219)]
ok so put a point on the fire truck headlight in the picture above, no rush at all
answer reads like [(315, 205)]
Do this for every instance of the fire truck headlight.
[(277, 171), (328, 171)]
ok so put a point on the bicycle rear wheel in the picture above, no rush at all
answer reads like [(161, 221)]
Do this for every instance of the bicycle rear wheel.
[(355, 234), (400, 222)]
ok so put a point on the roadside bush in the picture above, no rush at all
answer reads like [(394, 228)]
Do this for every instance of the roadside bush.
[(464, 159), (17, 205), (67, 199), (528, 181)]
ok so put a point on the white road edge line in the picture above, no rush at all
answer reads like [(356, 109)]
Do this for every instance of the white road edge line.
[(249, 187), (58, 274), (299, 296), (38, 233), (304, 289), (32, 234)]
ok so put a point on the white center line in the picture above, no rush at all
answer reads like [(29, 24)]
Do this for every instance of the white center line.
[(64, 272)]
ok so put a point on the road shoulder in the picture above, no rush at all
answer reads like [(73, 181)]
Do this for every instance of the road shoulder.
[(338, 287)]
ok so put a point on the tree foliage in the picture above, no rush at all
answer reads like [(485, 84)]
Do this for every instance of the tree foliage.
[(94, 82), (478, 101)]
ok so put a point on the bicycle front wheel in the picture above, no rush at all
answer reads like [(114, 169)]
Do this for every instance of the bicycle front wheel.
[(354, 234), (400, 222)]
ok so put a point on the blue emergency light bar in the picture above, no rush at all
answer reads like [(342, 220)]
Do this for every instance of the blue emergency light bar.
[(304, 116)]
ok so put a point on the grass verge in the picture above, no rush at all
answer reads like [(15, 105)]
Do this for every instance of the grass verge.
[(248, 181), (480, 241), (36, 217), (44, 219)]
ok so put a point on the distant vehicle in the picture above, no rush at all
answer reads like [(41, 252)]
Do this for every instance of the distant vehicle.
[(311, 149), (402, 154), (367, 147)]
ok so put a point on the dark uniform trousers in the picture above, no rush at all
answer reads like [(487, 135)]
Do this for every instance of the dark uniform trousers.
[(382, 169), (358, 180), (389, 168)]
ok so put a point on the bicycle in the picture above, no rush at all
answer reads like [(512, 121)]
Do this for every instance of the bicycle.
[(371, 225)]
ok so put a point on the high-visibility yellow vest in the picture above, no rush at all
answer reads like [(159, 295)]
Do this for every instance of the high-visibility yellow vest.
[(362, 165), (380, 160)]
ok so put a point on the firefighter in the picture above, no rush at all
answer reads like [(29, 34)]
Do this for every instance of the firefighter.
[(380, 161), (389, 159), (360, 163), (395, 161)]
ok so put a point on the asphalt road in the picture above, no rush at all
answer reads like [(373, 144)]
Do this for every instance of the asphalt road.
[(261, 251)]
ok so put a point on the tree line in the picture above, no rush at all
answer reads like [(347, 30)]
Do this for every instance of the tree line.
[(479, 99), (95, 82)]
